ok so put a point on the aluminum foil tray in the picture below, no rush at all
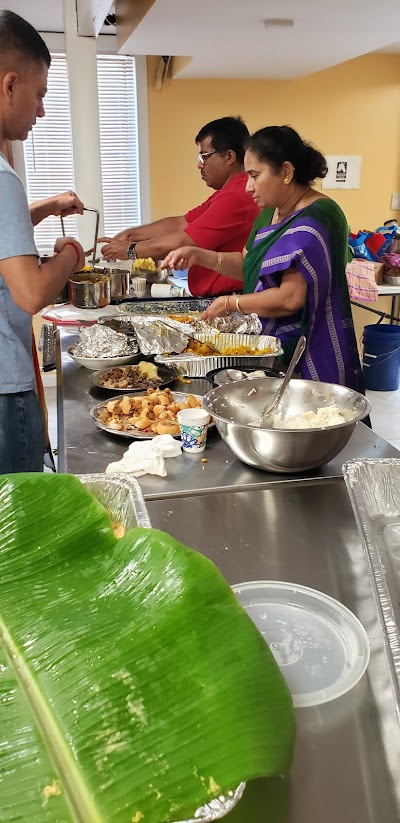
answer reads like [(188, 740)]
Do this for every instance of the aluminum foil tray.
[(374, 491), (196, 366), (172, 306), (121, 496)]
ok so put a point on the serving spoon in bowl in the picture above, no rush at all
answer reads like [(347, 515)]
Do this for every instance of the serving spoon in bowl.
[(301, 344)]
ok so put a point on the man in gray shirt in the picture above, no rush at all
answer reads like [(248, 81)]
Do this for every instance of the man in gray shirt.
[(25, 287)]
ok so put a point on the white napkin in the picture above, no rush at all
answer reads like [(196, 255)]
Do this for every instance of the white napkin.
[(147, 456)]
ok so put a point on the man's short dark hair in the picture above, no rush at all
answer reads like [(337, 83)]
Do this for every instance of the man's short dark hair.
[(17, 36), (226, 133)]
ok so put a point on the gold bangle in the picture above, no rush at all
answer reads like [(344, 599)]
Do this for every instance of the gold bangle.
[(227, 312), (237, 306), (220, 260)]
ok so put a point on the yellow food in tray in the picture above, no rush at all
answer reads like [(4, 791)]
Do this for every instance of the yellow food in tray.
[(144, 264), (152, 413), (245, 351)]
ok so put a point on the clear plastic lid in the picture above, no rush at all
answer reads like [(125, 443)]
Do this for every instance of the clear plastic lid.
[(320, 646)]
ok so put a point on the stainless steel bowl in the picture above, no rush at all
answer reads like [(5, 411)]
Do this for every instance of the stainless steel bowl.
[(237, 410), (89, 290), (120, 283)]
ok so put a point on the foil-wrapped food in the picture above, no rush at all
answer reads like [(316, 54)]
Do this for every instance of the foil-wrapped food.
[(171, 334), (156, 335), (235, 323), (101, 341)]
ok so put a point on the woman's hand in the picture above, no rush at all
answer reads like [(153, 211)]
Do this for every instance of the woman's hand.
[(61, 242), (183, 258), (115, 248), (219, 308)]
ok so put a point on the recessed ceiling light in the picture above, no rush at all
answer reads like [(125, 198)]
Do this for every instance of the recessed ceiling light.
[(278, 22)]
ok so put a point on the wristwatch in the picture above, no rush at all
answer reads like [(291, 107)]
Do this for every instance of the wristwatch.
[(131, 251)]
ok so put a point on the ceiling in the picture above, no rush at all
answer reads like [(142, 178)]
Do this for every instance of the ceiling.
[(227, 38)]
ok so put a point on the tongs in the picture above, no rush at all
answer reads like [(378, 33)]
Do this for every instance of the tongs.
[(301, 344), (96, 234)]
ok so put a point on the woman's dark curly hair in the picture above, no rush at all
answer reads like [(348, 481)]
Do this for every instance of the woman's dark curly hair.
[(276, 144)]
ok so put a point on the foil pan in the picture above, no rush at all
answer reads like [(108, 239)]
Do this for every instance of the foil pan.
[(374, 491), (192, 366), (121, 495), (256, 342), (100, 341)]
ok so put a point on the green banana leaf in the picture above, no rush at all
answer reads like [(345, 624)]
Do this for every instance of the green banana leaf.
[(133, 687)]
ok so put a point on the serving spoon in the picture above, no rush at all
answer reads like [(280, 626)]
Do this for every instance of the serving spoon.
[(301, 344)]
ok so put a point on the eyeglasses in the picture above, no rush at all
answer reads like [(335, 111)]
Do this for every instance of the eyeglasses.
[(203, 155)]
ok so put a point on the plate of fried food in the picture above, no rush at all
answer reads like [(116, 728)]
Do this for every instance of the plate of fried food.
[(146, 415), (132, 378)]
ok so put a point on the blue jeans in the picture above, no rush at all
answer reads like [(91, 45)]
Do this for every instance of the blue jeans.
[(22, 437)]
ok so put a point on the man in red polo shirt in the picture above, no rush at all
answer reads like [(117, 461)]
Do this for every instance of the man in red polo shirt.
[(221, 223)]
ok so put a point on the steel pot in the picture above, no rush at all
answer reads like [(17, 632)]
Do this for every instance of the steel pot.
[(120, 283), (89, 290)]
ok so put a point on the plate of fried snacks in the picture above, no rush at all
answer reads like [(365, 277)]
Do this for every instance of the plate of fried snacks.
[(132, 378), (145, 415)]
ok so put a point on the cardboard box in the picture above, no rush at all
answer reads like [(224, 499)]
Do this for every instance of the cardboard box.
[(378, 271)]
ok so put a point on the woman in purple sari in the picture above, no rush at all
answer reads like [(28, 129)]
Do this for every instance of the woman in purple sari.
[(292, 270)]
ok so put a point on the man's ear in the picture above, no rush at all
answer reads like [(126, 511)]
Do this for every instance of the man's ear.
[(8, 85), (230, 156)]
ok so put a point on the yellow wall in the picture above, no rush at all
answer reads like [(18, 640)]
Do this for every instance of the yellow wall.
[(353, 108)]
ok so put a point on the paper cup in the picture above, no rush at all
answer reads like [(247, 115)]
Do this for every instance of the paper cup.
[(166, 290), (139, 286), (193, 424)]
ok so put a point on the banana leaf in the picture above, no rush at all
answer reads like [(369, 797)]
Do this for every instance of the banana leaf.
[(133, 686)]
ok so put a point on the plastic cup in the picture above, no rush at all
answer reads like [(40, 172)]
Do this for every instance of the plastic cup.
[(139, 286), (166, 290), (193, 424)]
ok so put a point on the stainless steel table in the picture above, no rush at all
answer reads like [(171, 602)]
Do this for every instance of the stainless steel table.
[(83, 447), (347, 757), (256, 525)]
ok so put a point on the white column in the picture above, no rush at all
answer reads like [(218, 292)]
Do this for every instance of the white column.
[(81, 55)]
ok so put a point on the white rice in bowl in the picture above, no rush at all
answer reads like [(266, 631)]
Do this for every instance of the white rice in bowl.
[(320, 419)]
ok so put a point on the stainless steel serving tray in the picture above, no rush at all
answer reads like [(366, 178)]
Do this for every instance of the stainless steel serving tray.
[(121, 495), (374, 491), (173, 305)]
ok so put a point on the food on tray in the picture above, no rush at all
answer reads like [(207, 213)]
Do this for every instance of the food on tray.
[(184, 318), (323, 417), (152, 413), (144, 264), (142, 376), (246, 351), (206, 350), (201, 349)]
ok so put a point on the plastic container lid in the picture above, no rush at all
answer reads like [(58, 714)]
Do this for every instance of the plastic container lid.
[(320, 646)]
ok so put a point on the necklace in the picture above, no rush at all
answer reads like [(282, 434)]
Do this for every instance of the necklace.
[(282, 216)]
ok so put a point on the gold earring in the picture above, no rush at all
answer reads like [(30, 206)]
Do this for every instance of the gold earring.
[(286, 180)]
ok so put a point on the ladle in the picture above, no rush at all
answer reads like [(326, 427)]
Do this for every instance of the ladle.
[(301, 344)]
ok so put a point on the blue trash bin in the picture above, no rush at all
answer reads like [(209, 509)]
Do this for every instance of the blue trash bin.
[(381, 357)]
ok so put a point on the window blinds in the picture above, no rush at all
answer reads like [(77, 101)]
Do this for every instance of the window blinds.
[(49, 152), (118, 142)]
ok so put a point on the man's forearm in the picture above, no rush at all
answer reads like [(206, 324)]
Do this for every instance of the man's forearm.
[(158, 247), (167, 225), (41, 209)]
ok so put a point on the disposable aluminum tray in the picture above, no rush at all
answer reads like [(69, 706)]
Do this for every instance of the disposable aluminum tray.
[(196, 366), (121, 496), (171, 306), (374, 491)]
